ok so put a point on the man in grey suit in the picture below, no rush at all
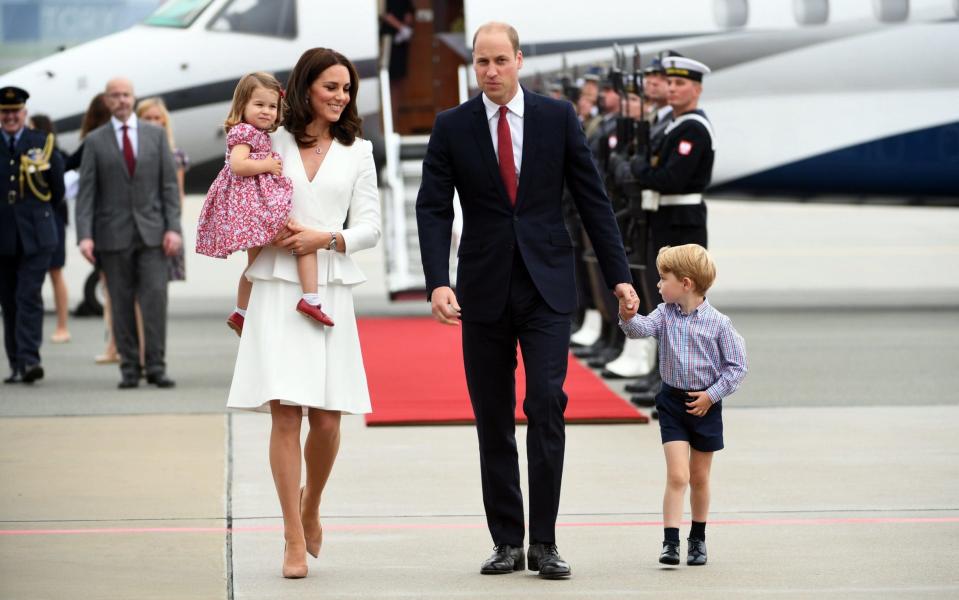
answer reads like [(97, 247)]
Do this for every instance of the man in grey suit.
[(128, 211)]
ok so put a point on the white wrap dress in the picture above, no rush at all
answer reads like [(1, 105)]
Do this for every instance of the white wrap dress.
[(283, 355)]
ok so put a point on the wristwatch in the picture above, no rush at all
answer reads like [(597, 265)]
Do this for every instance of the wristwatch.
[(332, 246)]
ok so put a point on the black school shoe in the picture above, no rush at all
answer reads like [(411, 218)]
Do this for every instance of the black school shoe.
[(670, 554), (32, 373), (505, 559), (696, 552), (545, 558)]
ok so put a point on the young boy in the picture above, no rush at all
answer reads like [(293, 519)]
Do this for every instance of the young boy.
[(701, 360)]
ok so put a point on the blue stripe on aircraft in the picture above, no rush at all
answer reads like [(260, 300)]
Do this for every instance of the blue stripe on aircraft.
[(918, 163)]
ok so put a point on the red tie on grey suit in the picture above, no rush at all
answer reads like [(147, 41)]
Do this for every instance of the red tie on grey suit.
[(128, 152), (504, 147)]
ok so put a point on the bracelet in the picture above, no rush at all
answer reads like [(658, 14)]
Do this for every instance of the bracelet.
[(332, 246)]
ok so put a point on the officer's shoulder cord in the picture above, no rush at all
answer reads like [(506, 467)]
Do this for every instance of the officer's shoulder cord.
[(26, 163), (693, 117)]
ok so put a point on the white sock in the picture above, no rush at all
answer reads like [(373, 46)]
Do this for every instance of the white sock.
[(240, 311), (312, 299)]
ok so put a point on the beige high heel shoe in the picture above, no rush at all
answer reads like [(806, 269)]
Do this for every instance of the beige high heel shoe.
[(293, 571), (312, 544)]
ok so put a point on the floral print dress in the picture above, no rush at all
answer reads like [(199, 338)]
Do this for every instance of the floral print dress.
[(243, 212)]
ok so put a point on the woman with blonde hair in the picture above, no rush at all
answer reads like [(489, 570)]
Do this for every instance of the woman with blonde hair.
[(154, 110)]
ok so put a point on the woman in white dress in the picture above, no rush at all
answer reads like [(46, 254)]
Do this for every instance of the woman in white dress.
[(287, 365)]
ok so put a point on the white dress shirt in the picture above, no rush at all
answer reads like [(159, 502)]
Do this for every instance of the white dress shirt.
[(131, 132), (514, 117)]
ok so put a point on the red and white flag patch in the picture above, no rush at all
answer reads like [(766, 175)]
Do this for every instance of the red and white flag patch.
[(685, 147)]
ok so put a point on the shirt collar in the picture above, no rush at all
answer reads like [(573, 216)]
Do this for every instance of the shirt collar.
[(702, 308), (515, 105), (662, 112), (131, 122), (15, 136)]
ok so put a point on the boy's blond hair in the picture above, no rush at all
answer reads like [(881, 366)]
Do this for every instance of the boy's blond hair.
[(243, 92), (688, 260)]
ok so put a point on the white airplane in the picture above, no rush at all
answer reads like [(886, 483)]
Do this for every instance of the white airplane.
[(807, 97)]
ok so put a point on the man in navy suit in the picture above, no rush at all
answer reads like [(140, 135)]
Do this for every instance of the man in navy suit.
[(508, 153)]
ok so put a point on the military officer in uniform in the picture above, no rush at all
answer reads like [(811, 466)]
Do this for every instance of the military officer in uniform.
[(31, 184)]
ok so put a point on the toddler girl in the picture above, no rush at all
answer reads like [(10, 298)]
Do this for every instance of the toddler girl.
[(249, 202)]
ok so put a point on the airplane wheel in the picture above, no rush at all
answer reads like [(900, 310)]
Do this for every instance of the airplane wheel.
[(93, 297)]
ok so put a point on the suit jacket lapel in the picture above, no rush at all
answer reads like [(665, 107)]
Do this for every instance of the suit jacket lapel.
[(530, 123), (140, 146), (485, 144)]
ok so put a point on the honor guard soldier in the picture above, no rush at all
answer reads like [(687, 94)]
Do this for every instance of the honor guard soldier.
[(678, 170), (655, 88), (681, 167), (31, 186)]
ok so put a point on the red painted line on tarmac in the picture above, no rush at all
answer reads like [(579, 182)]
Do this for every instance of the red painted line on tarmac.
[(426, 526)]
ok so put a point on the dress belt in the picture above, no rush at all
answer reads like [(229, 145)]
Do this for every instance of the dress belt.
[(680, 199)]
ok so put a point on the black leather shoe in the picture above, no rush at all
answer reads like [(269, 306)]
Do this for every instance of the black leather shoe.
[(14, 377), (670, 555), (696, 552), (607, 374), (598, 361), (128, 383), (546, 559), (643, 383), (32, 373), (504, 559), (643, 400), (591, 350), (161, 381)]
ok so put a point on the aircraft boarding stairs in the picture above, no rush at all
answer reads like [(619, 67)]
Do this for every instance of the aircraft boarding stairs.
[(404, 270), (401, 178)]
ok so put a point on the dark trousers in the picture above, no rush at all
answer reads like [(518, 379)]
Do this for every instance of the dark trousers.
[(138, 274), (21, 279), (489, 355)]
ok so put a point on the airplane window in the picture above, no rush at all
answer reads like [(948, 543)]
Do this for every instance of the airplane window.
[(177, 13), (259, 17)]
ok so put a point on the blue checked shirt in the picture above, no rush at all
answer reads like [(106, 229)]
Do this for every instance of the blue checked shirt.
[(698, 351)]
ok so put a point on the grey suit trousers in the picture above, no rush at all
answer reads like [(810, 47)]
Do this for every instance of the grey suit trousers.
[(138, 274)]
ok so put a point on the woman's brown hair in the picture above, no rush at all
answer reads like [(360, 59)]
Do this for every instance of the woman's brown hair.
[(97, 114), (243, 93), (299, 113)]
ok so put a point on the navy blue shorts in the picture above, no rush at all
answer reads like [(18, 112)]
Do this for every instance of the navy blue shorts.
[(675, 424)]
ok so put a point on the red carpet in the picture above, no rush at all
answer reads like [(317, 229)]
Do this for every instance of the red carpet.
[(415, 372)]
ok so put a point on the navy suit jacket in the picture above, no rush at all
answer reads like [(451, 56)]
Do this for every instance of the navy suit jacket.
[(460, 155)]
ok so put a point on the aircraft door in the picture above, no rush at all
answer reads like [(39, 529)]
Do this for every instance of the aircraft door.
[(430, 84)]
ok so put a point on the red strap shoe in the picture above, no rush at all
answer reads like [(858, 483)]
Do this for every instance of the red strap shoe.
[(235, 322), (314, 312)]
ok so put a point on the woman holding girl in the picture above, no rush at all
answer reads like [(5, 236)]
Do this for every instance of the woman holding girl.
[(282, 367)]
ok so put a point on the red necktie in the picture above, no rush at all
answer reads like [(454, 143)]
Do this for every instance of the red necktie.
[(504, 147), (128, 151)]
